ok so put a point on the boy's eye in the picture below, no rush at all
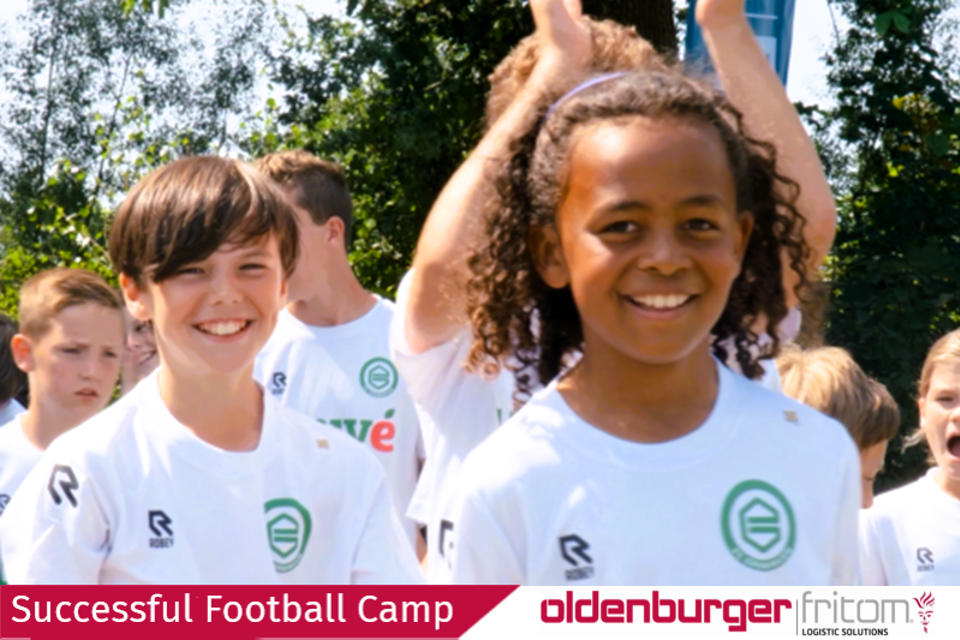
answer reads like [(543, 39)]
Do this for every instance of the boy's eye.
[(623, 226), (186, 271), (252, 266)]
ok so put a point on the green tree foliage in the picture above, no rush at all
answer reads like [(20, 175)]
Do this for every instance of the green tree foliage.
[(895, 267), (98, 96), (396, 93)]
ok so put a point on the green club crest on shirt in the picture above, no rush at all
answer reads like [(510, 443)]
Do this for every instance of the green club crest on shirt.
[(288, 531), (378, 377), (758, 525)]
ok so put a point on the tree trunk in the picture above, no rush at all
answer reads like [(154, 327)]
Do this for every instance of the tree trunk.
[(653, 19)]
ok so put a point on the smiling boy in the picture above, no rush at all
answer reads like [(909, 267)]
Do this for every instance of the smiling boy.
[(69, 345), (197, 476)]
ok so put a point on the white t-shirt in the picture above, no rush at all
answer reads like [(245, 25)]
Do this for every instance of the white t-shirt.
[(17, 457), (11, 411), (343, 376), (458, 411), (911, 536), (132, 496), (765, 492)]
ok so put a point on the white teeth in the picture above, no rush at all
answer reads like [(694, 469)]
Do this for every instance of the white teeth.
[(223, 328), (662, 302)]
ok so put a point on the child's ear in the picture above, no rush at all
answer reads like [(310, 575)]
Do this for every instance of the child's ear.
[(336, 230), (544, 243), (134, 298), (22, 349)]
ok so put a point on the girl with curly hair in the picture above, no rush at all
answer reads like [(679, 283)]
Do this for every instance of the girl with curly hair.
[(638, 238)]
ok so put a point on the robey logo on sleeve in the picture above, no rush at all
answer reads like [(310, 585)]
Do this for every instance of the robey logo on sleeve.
[(758, 525), (63, 477), (288, 530), (160, 525), (573, 548)]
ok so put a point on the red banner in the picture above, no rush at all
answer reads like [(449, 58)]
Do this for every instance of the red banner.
[(242, 613)]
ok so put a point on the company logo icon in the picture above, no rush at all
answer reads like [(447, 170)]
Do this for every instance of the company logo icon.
[(925, 602), (160, 527), (68, 484), (758, 525), (288, 530), (924, 559), (378, 377), (278, 383), (573, 549), (4, 501)]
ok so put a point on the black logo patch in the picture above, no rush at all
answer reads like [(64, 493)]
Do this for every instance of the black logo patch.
[(278, 383), (4, 501), (572, 548), (160, 524), (445, 526), (924, 559), (68, 484)]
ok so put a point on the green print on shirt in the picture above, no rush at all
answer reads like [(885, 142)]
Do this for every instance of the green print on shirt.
[(288, 530), (378, 377), (758, 525), (381, 434)]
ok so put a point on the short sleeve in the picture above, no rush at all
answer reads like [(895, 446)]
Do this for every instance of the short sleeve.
[(383, 553), (55, 529), (845, 564)]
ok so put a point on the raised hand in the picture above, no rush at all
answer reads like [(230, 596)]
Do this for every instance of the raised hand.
[(565, 46), (717, 13)]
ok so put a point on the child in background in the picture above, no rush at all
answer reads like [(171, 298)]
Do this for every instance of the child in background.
[(69, 345), (911, 536), (12, 380), (431, 331), (197, 475), (829, 380), (140, 355), (638, 223), (329, 356)]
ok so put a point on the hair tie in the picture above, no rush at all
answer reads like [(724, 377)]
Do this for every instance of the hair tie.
[(582, 87)]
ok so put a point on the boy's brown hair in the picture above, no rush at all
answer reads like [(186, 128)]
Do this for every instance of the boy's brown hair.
[(185, 211), (829, 380), (12, 379), (317, 186), (615, 48), (49, 292)]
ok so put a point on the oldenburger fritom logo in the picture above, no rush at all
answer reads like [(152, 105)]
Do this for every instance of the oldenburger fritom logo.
[(758, 525), (378, 377), (288, 530)]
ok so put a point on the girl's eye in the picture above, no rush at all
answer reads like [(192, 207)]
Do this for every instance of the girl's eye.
[(71, 350), (110, 354), (187, 271), (946, 398), (252, 266), (700, 224), (623, 226)]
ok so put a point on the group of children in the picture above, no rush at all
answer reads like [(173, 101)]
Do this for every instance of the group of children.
[(574, 387)]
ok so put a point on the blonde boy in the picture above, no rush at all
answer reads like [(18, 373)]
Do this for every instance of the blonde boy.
[(69, 345), (829, 380), (197, 475)]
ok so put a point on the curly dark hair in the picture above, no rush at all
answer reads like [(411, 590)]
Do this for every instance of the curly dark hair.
[(522, 323)]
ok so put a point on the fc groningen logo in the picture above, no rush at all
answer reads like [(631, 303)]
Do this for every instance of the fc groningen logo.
[(378, 377), (288, 530), (758, 525)]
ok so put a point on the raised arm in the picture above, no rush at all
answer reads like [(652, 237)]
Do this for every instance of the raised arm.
[(436, 311), (755, 89)]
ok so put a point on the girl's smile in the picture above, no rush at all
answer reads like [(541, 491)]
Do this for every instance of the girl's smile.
[(650, 239)]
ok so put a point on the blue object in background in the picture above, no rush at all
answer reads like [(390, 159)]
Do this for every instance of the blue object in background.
[(772, 22)]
